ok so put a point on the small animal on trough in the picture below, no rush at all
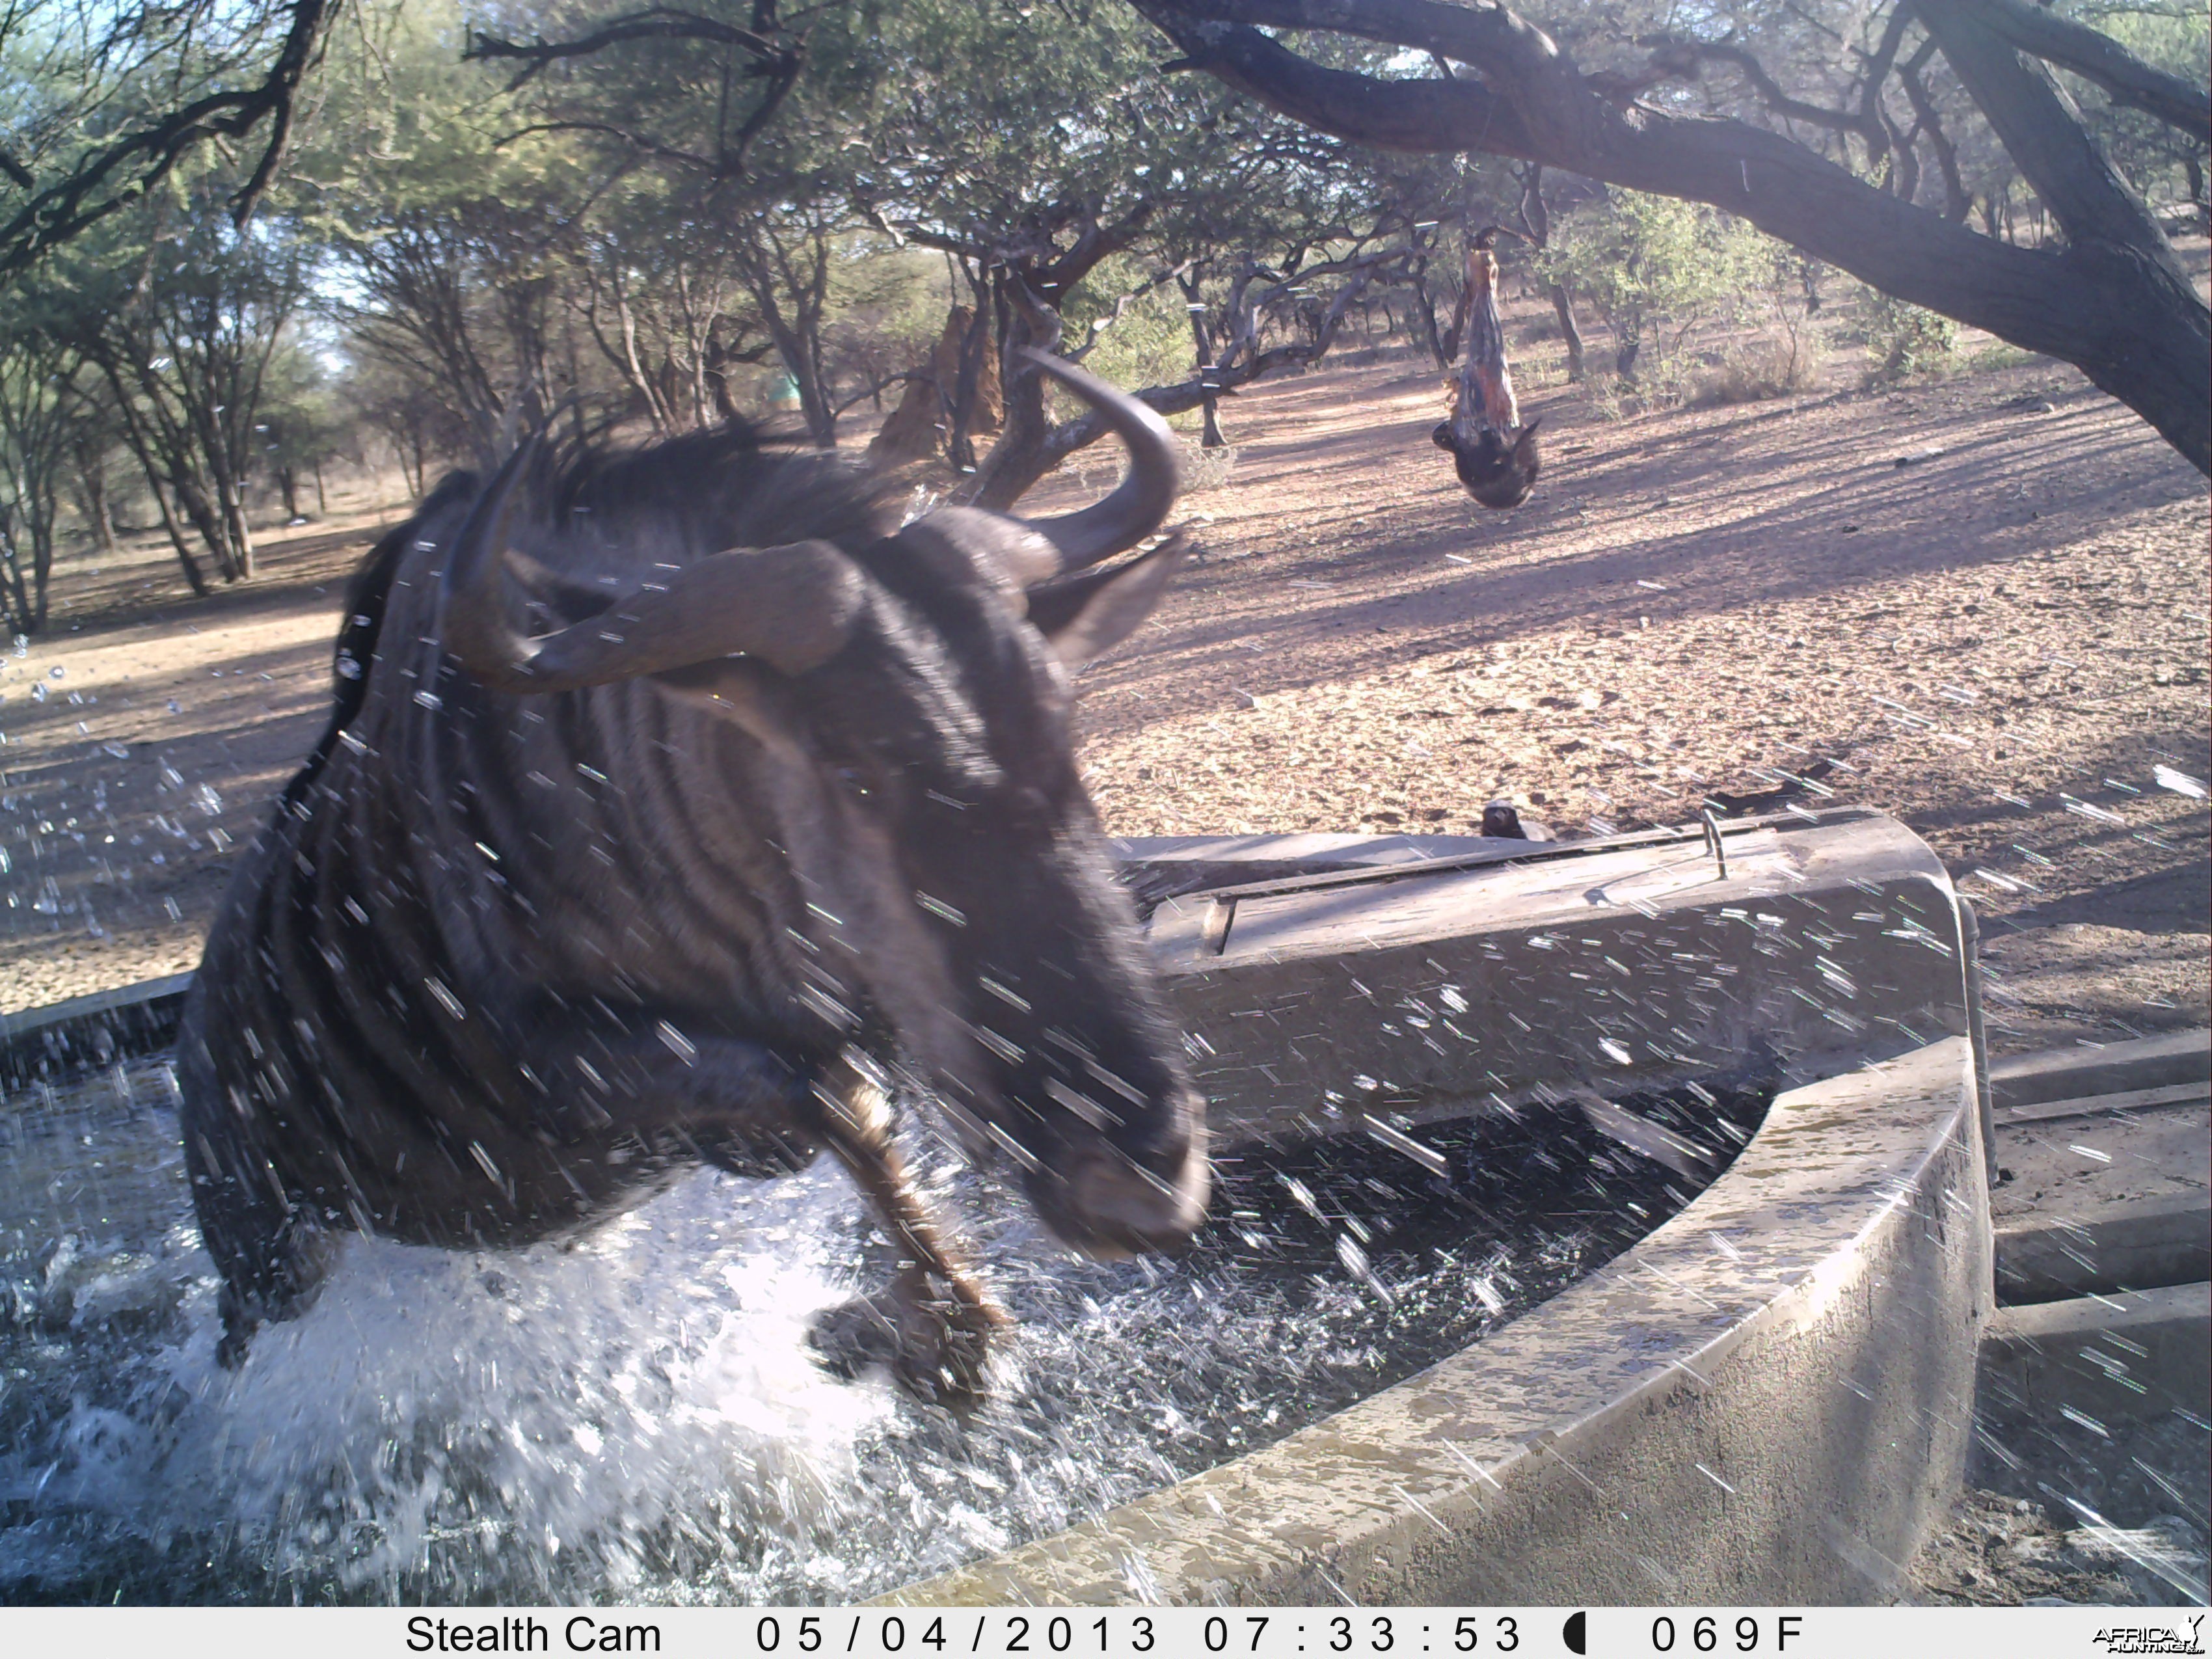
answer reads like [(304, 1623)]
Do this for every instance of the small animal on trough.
[(667, 805), (1496, 457)]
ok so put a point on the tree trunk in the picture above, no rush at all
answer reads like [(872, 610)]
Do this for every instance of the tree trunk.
[(12, 585), (193, 574), (2154, 360), (967, 412), (1431, 336), (157, 483), (1019, 457), (1563, 306), (1208, 371), (99, 512)]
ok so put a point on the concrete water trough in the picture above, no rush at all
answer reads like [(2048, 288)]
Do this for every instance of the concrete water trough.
[(1767, 1399), (1770, 1398)]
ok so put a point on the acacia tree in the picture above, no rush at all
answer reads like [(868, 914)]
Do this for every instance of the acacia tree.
[(776, 148), (180, 314), (671, 321), (103, 103), (1031, 177), (41, 414), (455, 252), (2110, 296), (1076, 182), (741, 121)]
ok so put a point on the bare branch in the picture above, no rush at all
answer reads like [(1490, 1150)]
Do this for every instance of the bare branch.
[(776, 58), (876, 388), (1957, 202), (1685, 57)]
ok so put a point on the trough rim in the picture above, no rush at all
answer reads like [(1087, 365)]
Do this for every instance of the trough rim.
[(1257, 1559)]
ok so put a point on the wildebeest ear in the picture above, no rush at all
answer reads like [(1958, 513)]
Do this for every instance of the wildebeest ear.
[(1096, 611)]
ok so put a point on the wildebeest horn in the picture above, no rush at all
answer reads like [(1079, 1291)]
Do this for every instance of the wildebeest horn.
[(1146, 493), (792, 607)]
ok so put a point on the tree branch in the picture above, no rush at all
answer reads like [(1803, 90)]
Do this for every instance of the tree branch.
[(2120, 312), (2126, 79), (636, 141), (1340, 101), (653, 23), (2036, 124), (1686, 57), (140, 159), (776, 58), (876, 387), (1957, 202)]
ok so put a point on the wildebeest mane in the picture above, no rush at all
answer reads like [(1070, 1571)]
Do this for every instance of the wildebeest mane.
[(565, 902), (705, 492), (368, 590), (700, 493)]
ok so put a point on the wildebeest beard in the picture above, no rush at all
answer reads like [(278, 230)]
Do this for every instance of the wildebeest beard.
[(625, 852)]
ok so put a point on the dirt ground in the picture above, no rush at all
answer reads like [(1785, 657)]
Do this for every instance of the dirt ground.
[(2005, 1552), (1984, 599)]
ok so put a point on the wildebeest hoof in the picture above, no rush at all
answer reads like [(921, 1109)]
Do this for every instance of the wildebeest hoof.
[(230, 1347), (851, 1337), (934, 1337)]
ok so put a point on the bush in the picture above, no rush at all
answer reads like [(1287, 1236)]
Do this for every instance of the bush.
[(1205, 469), (1903, 340), (1659, 385), (1653, 266), (1764, 367)]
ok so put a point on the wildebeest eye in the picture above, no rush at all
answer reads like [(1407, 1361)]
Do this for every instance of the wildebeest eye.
[(851, 777)]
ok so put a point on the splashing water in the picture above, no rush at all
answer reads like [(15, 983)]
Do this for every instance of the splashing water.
[(636, 1414)]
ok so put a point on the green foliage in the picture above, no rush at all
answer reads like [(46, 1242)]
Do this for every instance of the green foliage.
[(1903, 340), (1654, 266), (1149, 345)]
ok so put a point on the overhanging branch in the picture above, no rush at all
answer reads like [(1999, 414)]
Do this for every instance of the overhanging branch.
[(2097, 57), (119, 173), (776, 57)]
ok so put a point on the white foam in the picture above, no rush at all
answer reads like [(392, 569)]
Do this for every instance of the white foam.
[(594, 1400)]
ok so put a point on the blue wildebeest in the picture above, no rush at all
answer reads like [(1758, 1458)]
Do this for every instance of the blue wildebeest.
[(657, 798)]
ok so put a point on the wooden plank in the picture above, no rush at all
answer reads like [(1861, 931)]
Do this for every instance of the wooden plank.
[(2131, 1100)]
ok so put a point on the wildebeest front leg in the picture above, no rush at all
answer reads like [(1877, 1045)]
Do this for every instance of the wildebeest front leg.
[(934, 1323)]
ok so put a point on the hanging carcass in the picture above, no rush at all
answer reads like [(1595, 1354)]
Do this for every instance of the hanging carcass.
[(666, 806), (1495, 456)]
